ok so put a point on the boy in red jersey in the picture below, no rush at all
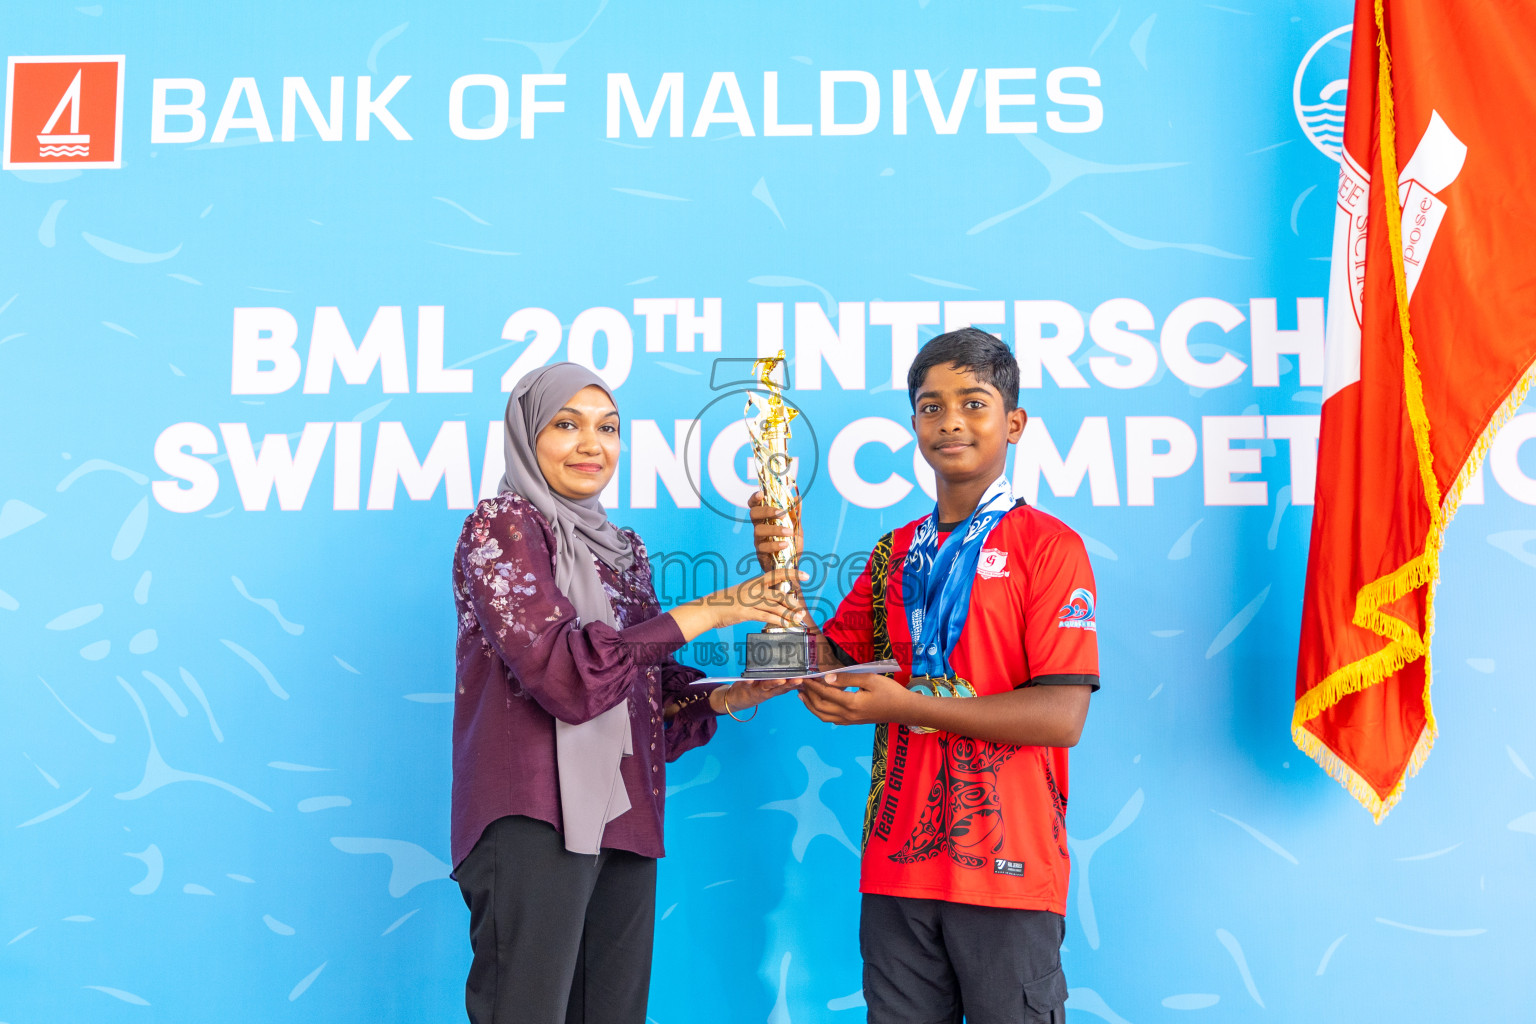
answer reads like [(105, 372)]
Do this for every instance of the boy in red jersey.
[(988, 607)]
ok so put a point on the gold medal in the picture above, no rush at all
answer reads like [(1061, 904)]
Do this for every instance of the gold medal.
[(939, 686), (925, 686)]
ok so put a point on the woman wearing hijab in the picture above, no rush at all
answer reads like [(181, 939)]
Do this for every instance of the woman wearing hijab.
[(568, 706)]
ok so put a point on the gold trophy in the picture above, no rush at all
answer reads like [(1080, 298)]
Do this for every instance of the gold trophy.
[(777, 652)]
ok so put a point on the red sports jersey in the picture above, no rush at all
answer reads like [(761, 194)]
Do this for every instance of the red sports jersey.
[(960, 819)]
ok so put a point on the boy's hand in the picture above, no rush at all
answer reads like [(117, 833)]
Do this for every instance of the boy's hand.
[(876, 699), (770, 530), (1031, 716)]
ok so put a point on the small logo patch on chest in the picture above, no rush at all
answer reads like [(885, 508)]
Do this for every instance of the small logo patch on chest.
[(1015, 868), (992, 564)]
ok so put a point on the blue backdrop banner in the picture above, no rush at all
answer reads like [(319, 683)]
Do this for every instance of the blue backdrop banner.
[(267, 272)]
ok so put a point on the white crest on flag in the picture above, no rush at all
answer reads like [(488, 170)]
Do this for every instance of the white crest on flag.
[(1346, 280), (1436, 162)]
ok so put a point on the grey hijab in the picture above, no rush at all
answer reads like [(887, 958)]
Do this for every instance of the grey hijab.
[(587, 755)]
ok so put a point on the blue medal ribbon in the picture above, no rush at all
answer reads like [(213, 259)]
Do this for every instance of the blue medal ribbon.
[(936, 581)]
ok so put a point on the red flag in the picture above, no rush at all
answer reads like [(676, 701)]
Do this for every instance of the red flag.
[(1429, 350)]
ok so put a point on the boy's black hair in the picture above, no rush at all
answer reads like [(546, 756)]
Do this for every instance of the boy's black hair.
[(969, 349)]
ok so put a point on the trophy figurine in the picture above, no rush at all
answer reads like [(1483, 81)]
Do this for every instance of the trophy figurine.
[(777, 652)]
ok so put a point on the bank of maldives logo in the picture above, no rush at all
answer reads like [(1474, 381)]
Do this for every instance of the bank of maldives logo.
[(1077, 613), (1318, 92), (63, 112)]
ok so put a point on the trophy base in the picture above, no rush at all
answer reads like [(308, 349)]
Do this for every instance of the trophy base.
[(780, 654)]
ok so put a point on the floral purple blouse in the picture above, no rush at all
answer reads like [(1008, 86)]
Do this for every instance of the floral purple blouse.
[(525, 659)]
